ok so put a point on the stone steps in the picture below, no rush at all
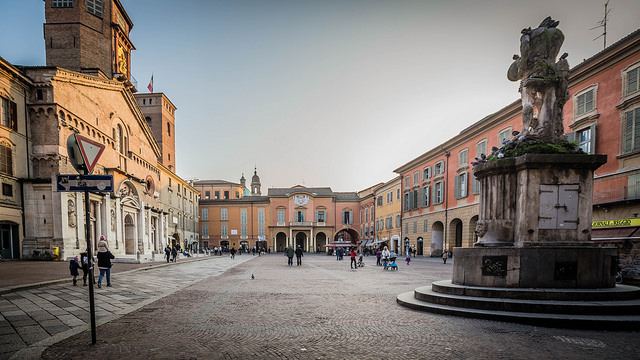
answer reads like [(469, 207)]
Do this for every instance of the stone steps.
[(597, 314)]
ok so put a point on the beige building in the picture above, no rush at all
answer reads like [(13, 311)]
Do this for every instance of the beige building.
[(388, 203), (14, 147)]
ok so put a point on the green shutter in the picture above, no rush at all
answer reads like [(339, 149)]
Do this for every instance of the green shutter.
[(421, 197), (457, 187), (628, 132)]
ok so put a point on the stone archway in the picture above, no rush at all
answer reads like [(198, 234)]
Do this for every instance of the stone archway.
[(437, 238), (130, 243), (281, 242), (321, 241), (301, 240), (473, 237), (455, 231)]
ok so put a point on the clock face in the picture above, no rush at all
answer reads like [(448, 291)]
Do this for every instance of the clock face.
[(301, 199)]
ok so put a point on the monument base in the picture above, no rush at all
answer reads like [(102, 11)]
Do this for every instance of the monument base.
[(566, 267)]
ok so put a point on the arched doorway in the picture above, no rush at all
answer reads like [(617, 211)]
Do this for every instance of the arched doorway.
[(301, 240), (473, 237), (321, 241), (348, 235), (130, 242), (281, 242), (456, 233), (420, 247), (224, 244), (437, 237)]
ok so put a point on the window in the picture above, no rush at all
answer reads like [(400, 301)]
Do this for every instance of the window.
[(7, 190), (398, 194), (6, 159), (438, 168), (407, 181), (168, 128), (94, 7), (223, 214), (425, 225), (280, 216), (406, 202), (481, 148), (415, 227), (461, 186), (379, 200), (584, 102), (424, 198), (243, 216), (207, 195), (438, 196), (299, 215), (584, 140), (503, 136), (366, 215), (631, 138), (226, 195), (406, 227), (426, 173), (9, 114), (217, 195), (631, 80), (398, 220), (633, 186), (205, 214), (260, 216), (416, 178), (463, 158), (237, 195), (224, 230), (475, 185), (347, 217), (119, 142), (260, 230), (320, 216), (205, 230), (62, 3), (243, 230)]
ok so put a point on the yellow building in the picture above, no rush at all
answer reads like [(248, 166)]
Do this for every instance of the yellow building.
[(388, 203)]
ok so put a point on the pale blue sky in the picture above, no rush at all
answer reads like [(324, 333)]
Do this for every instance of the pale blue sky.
[(332, 93)]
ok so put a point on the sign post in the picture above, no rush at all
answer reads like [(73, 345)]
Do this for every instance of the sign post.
[(84, 154)]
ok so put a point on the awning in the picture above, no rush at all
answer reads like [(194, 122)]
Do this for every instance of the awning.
[(379, 241), (339, 244), (615, 233)]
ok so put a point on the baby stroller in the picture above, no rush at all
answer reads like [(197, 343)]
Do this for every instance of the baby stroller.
[(360, 262), (392, 262)]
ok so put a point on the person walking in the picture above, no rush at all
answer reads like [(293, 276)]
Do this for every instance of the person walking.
[(378, 257), (299, 255), (289, 253), (233, 252), (445, 255), (104, 261), (353, 254), (167, 252), (84, 265), (385, 257), (73, 269), (174, 254)]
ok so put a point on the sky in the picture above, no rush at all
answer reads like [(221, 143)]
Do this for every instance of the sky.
[(319, 93)]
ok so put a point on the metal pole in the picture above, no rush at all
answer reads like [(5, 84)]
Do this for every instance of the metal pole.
[(92, 304)]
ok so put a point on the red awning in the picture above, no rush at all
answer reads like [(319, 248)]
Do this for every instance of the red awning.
[(615, 233)]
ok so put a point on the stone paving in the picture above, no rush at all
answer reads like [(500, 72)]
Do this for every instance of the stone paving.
[(37, 317), (320, 310)]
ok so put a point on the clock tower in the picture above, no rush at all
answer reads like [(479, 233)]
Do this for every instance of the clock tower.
[(90, 36)]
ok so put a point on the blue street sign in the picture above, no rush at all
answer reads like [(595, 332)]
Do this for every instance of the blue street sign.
[(96, 183)]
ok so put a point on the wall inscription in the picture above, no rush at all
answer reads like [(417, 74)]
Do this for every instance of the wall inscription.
[(494, 265)]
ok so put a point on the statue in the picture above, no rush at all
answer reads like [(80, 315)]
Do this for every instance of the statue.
[(544, 82), (71, 213)]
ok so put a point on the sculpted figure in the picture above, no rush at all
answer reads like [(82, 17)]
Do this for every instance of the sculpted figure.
[(481, 228), (544, 82)]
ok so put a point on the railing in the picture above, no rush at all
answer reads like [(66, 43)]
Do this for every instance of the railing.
[(614, 190), (301, 223)]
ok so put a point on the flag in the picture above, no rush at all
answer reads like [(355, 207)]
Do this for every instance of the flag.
[(150, 86)]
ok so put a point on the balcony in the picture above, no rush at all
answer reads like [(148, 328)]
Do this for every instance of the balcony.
[(612, 191), (301, 223)]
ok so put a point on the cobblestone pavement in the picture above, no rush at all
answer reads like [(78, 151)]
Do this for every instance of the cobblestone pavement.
[(37, 317), (324, 310)]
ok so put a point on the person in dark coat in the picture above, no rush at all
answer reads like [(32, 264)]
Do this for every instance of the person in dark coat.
[(289, 252), (167, 252), (84, 265), (299, 255), (174, 254), (73, 269), (104, 262)]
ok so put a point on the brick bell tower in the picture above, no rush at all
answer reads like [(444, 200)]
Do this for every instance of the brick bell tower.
[(90, 36)]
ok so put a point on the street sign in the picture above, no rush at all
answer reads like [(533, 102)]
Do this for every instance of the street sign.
[(90, 150), (96, 183)]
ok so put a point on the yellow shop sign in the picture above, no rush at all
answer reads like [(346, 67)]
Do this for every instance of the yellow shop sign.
[(599, 224)]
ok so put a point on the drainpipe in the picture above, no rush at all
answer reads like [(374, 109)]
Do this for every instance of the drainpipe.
[(446, 198)]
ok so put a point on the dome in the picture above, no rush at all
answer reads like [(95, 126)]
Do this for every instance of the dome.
[(246, 192)]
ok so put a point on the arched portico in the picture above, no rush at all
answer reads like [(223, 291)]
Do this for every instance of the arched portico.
[(437, 238), (348, 235), (281, 242)]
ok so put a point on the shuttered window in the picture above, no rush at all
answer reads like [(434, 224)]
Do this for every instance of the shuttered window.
[(631, 141)]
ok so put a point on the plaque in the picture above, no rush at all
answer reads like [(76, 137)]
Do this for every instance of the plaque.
[(494, 265)]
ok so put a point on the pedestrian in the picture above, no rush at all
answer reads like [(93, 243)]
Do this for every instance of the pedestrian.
[(408, 258), (385, 257), (233, 252), (84, 265), (445, 255), (353, 254), (289, 253), (299, 255), (167, 252), (73, 269), (104, 261), (174, 254)]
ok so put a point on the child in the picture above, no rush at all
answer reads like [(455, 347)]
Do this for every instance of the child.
[(408, 259), (73, 268)]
